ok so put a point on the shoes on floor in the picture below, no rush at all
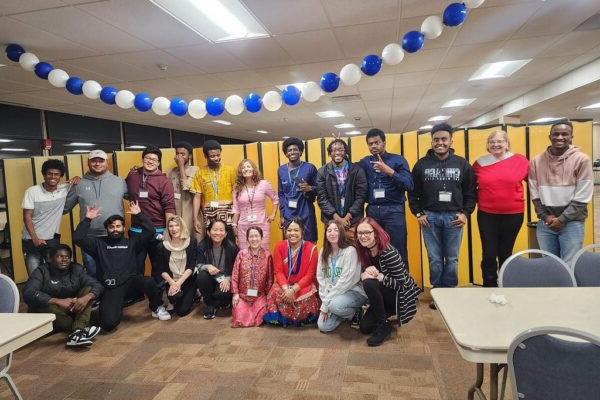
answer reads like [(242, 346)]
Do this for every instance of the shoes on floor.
[(161, 313), (209, 312), (90, 332), (78, 338), (357, 318), (382, 332)]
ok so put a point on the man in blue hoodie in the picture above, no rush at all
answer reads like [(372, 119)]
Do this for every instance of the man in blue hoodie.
[(100, 188)]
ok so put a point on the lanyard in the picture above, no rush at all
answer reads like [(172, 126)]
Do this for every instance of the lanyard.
[(144, 179), (254, 262), (292, 181), (215, 185), (294, 267), (250, 199), (333, 266)]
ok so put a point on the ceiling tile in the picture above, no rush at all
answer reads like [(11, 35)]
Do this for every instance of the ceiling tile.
[(353, 12), (207, 57), (258, 53), (558, 16), (315, 46), (287, 16), (359, 40)]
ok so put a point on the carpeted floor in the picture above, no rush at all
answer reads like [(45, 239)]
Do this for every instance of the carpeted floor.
[(191, 358)]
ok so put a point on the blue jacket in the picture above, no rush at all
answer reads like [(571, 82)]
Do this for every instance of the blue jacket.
[(395, 186)]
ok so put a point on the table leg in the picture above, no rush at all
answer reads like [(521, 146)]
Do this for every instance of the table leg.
[(476, 388), (494, 373)]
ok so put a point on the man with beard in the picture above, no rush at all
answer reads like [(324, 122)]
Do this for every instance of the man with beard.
[(116, 268)]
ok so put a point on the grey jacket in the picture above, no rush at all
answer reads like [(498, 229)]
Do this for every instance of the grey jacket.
[(106, 191)]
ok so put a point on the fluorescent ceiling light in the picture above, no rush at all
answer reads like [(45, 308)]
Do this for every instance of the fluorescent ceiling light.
[(262, 131), (15, 149), (215, 20), (285, 137), (458, 103), (353, 133), (501, 69), (330, 114), (425, 127), (80, 151), (136, 146), (299, 85), (595, 105), (6, 140), (2, 65), (220, 121), (344, 126), (80, 144), (546, 119), (438, 118)]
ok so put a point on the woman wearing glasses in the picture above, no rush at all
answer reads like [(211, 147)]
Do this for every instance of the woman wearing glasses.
[(292, 299), (386, 281), (500, 175)]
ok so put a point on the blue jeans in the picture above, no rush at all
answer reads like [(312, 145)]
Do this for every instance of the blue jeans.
[(393, 221), (342, 307), (564, 243), (443, 243), (90, 263)]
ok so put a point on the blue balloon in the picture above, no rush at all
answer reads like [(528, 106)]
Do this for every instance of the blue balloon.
[(413, 41), (329, 82), (178, 106), (14, 51), (291, 95), (75, 85), (253, 102), (42, 69), (107, 94), (371, 64), (455, 14), (215, 106), (142, 101)]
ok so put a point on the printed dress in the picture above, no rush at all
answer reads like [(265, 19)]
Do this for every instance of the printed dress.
[(250, 204)]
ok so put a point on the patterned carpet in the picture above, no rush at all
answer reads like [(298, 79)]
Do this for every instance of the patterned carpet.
[(190, 358)]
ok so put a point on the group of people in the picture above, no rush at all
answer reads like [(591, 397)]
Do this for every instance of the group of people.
[(207, 232)]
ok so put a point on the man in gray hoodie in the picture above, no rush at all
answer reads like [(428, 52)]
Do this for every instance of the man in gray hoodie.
[(100, 188)]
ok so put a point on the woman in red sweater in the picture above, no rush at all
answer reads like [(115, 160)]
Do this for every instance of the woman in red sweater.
[(500, 202), (292, 299)]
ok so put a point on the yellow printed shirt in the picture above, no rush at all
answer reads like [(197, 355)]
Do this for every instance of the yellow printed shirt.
[(206, 180)]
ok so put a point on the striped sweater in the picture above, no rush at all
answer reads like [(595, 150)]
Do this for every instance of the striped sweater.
[(561, 185), (396, 277)]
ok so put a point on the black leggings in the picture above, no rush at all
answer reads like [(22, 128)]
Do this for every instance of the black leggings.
[(382, 305), (111, 304), (498, 234), (185, 298), (211, 291)]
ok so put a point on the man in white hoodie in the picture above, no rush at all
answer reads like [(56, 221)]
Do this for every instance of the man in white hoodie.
[(561, 185)]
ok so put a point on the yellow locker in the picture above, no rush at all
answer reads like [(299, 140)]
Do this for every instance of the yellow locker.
[(314, 148), (270, 158), (583, 137), (518, 145), (252, 154), (75, 168)]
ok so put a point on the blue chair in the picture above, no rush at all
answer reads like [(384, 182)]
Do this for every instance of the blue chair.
[(543, 366), (9, 303), (586, 266), (545, 271)]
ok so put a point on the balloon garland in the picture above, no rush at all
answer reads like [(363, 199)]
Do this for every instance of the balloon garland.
[(392, 54)]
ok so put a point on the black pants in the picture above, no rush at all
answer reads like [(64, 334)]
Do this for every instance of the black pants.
[(185, 298), (111, 304), (211, 291), (151, 251), (36, 256), (393, 221), (382, 305), (498, 234)]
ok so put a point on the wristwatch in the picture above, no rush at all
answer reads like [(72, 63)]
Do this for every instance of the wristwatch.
[(419, 214)]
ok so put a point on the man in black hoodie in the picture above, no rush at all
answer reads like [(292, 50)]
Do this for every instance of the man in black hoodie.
[(116, 268), (442, 200)]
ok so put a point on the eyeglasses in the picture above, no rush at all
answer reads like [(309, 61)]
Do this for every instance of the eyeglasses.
[(364, 233), (151, 159), (492, 142)]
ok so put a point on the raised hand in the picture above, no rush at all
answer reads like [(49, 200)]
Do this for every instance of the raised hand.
[(134, 208), (92, 212)]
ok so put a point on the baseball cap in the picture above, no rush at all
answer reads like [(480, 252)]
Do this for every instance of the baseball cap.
[(97, 154)]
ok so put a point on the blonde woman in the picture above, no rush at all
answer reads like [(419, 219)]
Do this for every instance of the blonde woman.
[(500, 200), (177, 255)]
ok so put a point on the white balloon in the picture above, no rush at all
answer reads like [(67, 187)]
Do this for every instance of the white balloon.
[(196, 109), (473, 3), (124, 99), (91, 89), (392, 54), (311, 91), (160, 105), (432, 27), (28, 61), (58, 77), (350, 74), (234, 104), (272, 100)]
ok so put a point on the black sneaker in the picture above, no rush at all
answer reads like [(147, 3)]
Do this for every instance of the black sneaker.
[(209, 312), (357, 318), (432, 305), (90, 332), (382, 332), (77, 339)]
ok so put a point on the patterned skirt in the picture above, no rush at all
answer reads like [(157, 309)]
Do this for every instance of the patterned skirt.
[(246, 313), (304, 310)]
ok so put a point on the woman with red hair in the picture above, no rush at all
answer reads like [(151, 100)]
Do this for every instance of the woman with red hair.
[(386, 281)]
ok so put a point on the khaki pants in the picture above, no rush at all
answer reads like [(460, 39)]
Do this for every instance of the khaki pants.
[(68, 321)]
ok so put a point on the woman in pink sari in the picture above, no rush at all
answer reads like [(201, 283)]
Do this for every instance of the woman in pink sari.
[(252, 278)]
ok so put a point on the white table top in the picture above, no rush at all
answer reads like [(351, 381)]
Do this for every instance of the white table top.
[(17, 330), (479, 326)]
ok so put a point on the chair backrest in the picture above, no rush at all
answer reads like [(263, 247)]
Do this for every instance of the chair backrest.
[(546, 367), (545, 271), (586, 266), (9, 295)]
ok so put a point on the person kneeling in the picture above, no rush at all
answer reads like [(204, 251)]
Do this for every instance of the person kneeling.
[(338, 274), (64, 288)]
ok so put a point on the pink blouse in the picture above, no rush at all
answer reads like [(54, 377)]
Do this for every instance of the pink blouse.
[(252, 201)]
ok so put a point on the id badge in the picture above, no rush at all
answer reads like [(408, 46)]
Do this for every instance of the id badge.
[(251, 218), (143, 194), (252, 292), (445, 196), (343, 202), (379, 193), (177, 196), (214, 204), (293, 203)]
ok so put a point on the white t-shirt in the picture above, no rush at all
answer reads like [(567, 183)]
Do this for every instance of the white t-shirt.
[(47, 209)]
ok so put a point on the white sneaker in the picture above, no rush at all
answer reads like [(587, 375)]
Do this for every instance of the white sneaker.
[(161, 313)]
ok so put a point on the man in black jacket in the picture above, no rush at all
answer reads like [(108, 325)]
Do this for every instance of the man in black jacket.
[(341, 188), (442, 199), (116, 268), (64, 288)]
